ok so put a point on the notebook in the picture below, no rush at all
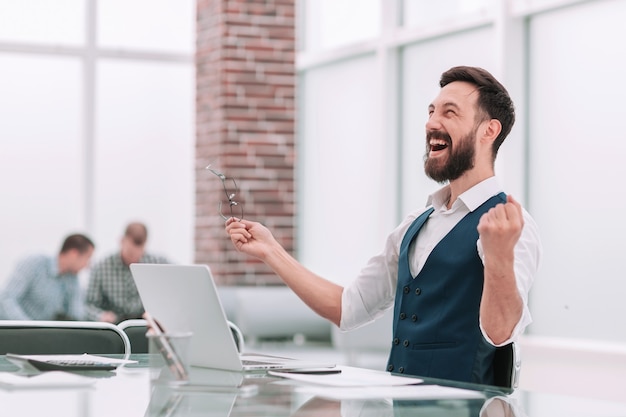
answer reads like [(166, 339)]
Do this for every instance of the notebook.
[(184, 298)]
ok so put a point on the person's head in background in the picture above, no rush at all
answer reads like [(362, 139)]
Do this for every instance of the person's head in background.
[(134, 242), (75, 253)]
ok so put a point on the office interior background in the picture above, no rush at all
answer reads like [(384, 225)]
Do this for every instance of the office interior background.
[(98, 127)]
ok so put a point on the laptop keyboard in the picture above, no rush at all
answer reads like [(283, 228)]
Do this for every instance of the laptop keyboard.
[(251, 362)]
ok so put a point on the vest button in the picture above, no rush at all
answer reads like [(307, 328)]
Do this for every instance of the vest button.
[(406, 290), (390, 368), (401, 369), (402, 316), (414, 317), (396, 341), (418, 291), (405, 343)]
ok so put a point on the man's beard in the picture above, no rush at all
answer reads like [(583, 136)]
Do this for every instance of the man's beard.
[(460, 157)]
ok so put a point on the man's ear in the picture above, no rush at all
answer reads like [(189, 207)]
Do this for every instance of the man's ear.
[(490, 131)]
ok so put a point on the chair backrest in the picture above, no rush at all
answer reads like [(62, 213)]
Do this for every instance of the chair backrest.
[(507, 364), (136, 330), (237, 335), (41, 337)]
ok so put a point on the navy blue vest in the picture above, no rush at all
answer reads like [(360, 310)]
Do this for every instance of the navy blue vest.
[(436, 314)]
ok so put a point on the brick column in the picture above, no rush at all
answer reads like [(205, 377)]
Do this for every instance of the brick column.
[(245, 111)]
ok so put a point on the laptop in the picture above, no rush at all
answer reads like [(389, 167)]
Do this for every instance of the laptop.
[(184, 298)]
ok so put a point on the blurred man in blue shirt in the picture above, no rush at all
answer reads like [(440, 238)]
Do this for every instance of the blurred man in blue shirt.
[(46, 287)]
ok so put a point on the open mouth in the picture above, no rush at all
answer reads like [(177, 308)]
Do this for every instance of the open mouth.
[(437, 145)]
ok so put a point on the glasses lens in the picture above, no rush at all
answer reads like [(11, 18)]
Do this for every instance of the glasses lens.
[(230, 188), (236, 209), (230, 207)]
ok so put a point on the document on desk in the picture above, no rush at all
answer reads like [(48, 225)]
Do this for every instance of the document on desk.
[(357, 383), (350, 377), (404, 392)]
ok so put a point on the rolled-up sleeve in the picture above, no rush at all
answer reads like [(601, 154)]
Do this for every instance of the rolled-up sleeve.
[(368, 296)]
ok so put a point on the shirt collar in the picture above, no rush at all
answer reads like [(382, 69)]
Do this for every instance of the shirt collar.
[(439, 198), (471, 198)]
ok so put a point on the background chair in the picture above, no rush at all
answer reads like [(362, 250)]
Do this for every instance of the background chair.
[(40, 337), (507, 364), (136, 330), (237, 335)]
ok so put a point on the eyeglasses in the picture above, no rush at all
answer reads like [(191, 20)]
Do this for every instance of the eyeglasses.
[(231, 190)]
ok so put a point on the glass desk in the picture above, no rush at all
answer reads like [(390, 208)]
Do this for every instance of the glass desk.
[(127, 392)]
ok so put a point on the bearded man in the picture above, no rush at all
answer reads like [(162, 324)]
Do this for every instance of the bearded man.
[(456, 272)]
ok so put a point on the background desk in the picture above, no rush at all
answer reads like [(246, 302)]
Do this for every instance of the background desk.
[(128, 394)]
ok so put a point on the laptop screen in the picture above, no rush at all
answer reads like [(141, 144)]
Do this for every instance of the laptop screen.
[(184, 298)]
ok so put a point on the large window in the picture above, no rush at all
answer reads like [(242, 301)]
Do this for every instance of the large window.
[(342, 179), (329, 24), (42, 22), (416, 14), (41, 162), (97, 124), (144, 159), (576, 169)]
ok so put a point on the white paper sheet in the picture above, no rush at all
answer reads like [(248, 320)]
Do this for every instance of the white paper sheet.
[(423, 392), (350, 377)]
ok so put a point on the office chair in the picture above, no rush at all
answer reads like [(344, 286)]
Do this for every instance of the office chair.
[(136, 330), (41, 337), (237, 335), (507, 364)]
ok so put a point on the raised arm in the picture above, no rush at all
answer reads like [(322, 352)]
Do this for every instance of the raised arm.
[(501, 305), (254, 239)]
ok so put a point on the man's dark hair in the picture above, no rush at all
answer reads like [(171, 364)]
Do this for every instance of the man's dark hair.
[(493, 99), (77, 241)]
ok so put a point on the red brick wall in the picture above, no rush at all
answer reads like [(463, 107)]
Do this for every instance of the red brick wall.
[(245, 122)]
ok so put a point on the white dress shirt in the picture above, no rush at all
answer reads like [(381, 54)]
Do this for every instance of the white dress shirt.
[(374, 290)]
